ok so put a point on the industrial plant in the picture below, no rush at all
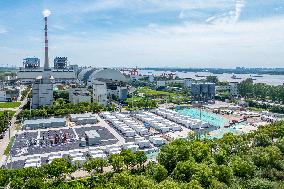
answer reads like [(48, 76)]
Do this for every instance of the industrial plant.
[(63, 110)]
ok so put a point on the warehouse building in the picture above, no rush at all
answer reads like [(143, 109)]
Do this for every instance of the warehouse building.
[(82, 119), (44, 123)]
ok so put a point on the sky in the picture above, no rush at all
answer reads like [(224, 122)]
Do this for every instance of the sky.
[(146, 33)]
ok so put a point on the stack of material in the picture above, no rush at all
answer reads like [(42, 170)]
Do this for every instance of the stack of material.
[(51, 157), (97, 153)]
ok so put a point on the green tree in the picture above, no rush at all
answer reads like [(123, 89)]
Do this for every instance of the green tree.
[(168, 184), (224, 173), (262, 139), (140, 158), (258, 183), (245, 87), (156, 171), (58, 169), (95, 165), (117, 162), (128, 158), (242, 167), (184, 171), (212, 79)]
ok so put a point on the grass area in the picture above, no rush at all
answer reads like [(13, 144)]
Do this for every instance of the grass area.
[(9, 104), (8, 148), (148, 91), (11, 113), (134, 99), (256, 109), (174, 96)]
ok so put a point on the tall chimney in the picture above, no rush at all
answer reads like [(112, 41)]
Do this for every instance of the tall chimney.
[(46, 60)]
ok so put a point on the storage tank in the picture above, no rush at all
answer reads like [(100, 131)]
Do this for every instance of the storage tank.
[(204, 88), (195, 89)]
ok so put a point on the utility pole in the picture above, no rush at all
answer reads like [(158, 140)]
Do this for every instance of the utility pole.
[(30, 100)]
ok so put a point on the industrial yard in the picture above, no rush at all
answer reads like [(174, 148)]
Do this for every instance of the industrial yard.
[(81, 136)]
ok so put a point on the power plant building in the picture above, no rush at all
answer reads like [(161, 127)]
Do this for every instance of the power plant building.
[(60, 63), (28, 75), (31, 63)]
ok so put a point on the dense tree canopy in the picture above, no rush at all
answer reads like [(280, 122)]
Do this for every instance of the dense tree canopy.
[(261, 91), (60, 108)]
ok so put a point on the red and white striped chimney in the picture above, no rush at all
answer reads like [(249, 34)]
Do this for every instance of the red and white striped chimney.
[(46, 59)]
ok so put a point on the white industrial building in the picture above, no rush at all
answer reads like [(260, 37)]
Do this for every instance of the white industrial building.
[(28, 76), (105, 89), (92, 137), (42, 91), (77, 95), (9, 93), (108, 84), (100, 92), (44, 123), (82, 119)]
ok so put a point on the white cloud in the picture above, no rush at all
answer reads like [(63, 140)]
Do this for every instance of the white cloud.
[(3, 30), (230, 17), (189, 45)]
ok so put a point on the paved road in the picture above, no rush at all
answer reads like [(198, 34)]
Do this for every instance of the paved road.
[(5, 141), (103, 123)]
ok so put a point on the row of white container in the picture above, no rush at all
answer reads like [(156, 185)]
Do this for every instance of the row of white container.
[(119, 125), (100, 152), (181, 119), (33, 161), (115, 116), (129, 121), (173, 126), (158, 123)]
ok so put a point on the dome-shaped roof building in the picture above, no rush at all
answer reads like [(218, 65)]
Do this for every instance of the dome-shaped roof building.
[(90, 74), (108, 74), (85, 73)]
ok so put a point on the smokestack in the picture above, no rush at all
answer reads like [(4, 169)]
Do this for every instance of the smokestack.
[(46, 13)]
